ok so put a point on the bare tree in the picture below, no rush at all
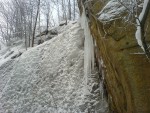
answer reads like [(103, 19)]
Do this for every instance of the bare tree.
[(37, 13), (74, 9), (22, 16), (69, 10)]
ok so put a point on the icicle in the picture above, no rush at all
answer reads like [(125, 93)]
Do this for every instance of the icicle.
[(138, 20), (88, 47), (138, 35)]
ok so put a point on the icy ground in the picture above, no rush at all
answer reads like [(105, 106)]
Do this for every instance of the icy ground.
[(49, 78)]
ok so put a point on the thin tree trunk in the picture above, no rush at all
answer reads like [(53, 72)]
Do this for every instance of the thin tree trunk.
[(39, 24), (64, 11), (33, 36), (25, 33), (69, 10), (30, 29), (47, 17), (74, 12), (58, 13)]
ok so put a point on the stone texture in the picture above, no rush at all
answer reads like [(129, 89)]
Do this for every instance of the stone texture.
[(127, 74)]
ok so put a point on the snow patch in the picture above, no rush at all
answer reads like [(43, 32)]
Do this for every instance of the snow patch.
[(112, 11), (49, 78)]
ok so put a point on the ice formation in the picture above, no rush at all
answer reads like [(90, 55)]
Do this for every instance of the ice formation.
[(138, 33), (88, 47)]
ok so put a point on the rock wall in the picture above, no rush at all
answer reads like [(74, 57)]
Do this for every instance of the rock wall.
[(127, 72)]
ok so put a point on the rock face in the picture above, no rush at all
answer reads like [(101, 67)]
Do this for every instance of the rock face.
[(127, 72)]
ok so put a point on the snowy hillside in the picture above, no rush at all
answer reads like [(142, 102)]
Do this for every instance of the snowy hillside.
[(49, 78)]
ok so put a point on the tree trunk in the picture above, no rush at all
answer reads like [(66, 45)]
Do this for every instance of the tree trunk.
[(25, 30), (64, 10), (69, 10), (33, 36), (74, 9), (58, 13)]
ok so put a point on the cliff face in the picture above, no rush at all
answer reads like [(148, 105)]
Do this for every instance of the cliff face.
[(127, 72)]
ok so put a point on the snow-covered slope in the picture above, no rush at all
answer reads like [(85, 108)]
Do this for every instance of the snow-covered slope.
[(3, 49), (49, 78)]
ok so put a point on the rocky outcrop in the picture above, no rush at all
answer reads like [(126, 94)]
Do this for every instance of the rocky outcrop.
[(127, 72)]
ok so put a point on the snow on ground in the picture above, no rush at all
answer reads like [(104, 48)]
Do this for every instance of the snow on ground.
[(7, 63), (49, 78), (3, 49), (6, 52), (62, 28)]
